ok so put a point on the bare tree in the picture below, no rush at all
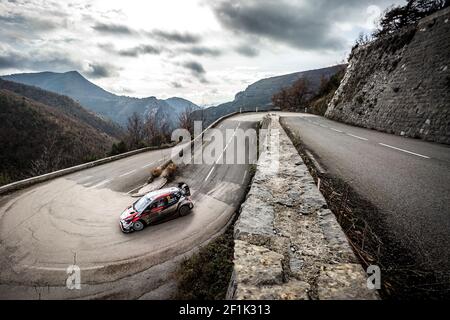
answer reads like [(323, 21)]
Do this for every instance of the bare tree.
[(281, 99), (152, 130), (165, 133), (135, 131), (51, 157), (186, 120), (299, 94), (294, 97)]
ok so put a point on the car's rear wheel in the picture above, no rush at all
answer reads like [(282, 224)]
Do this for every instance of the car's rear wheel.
[(184, 210), (138, 225)]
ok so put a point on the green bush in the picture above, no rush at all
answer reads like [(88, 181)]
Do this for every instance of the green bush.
[(118, 148)]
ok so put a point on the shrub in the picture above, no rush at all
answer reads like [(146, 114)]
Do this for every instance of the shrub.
[(205, 276), (118, 148), (398, 17), (293, 98), (170, 170), (319, 103)]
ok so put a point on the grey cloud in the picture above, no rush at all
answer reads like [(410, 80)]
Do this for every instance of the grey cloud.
[(37, 60), (176, 84), (117, 29), (140, 50), (13, 18), (26, 22), (301, 24), (109, 47), (203, 51), (161, 35), (195, 67), (247, 50), (186, 38), (7, 62), (99, 70)]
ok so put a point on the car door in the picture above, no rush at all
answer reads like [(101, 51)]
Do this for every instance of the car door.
[(171, 203), (157, 209), (150, 215)]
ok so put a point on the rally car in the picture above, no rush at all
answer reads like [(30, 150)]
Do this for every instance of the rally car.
[(156, 206)]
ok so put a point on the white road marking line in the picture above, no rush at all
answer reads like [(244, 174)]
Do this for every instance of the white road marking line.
[(127, 173), (61, 269), (357, 137), (131, 191), (228, 143), (316, 163), (323, 126), (201, 134), (211, 171), (410, 152), (100, 184), (148, 165), (336, 130), (245, 175)]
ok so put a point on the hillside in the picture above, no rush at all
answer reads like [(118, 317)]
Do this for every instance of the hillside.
[(36, 138), (259, 94), (65, 105), (181, 104), (92, 97)]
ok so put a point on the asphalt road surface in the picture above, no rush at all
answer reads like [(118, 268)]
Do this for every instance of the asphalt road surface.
[(407, 179), (73, 220)]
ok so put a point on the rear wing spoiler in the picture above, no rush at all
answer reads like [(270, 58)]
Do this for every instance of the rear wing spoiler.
[(183, 186)]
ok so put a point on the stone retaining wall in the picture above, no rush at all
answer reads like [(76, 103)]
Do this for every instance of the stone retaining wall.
[(400, 84), (288, 245)]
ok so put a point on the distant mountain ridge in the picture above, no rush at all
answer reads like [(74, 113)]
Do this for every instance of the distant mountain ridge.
[(111, 106), (181, 104), (64, 105), (36, 138), (259, 94)]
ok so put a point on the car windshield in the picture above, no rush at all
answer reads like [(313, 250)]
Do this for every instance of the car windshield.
[(141, 204)]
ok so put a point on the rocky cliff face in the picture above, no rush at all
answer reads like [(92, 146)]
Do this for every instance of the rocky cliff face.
[(400, 84)]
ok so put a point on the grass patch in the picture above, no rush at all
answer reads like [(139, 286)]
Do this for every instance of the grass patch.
[(206, 275)]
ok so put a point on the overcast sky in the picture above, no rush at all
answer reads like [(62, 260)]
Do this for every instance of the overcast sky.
[(204, 51)]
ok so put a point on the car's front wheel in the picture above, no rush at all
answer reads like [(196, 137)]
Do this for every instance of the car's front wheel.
[(138, 225), (184, 210)]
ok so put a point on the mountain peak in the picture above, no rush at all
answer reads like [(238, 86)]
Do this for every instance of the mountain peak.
[(181, 103), (73, 72)]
